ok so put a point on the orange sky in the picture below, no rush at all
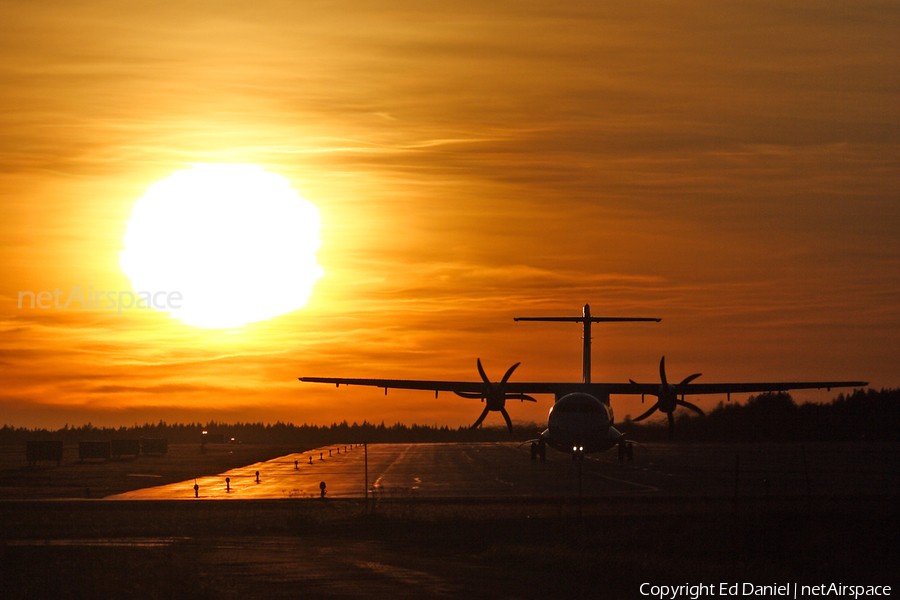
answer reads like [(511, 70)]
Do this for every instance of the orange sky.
[(731, 168)]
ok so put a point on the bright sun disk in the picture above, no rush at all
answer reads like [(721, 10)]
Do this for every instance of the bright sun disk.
[(236, 241)]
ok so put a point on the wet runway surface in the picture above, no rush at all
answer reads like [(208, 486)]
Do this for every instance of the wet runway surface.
[(505, 470)]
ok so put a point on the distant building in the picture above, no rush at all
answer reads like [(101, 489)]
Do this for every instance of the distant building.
[(43, 450)]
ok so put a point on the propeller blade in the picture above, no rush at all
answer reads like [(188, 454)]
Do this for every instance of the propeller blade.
[(508, 420), (481, 418), (690, 406), (647, 414), (671, 425), (484, 376), (687, 380), (508, 373), (662, 371), (470, 395), (520, 397)]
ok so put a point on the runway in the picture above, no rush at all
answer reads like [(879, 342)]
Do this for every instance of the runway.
[(392, 470), (504, 470)]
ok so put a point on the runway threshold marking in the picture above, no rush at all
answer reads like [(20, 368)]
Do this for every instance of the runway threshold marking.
[(390, 466), (648, 488)]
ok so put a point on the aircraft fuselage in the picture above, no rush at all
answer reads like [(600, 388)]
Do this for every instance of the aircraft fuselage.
[(580, 423)]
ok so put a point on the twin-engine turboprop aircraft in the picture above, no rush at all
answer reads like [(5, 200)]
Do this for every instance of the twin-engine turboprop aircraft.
[(581, 420)]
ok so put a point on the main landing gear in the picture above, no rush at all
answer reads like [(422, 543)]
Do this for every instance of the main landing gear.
[(539, 449), (626, 450)]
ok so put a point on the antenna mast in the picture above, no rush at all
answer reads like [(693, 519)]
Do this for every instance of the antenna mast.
[(587, 319)]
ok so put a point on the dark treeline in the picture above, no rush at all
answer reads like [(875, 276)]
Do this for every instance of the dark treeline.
[(862, 415), (279, 433)]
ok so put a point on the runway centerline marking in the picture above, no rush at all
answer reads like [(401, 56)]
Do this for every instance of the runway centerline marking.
[(649, 488)]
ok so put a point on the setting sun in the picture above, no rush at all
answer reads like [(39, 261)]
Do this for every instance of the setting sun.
[(235, 242)]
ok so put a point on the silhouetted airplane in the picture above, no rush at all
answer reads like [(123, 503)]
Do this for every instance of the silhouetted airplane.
[(581, 419)]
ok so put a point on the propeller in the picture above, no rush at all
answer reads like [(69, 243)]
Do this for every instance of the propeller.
[(667, 397), (494, 395)]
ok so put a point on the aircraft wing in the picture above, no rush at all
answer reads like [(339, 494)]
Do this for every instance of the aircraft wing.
[(449, 386), (401, 384), (692, 389), (595, 389)]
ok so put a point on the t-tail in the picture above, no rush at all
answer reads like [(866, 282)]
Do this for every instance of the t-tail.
[(586, 319)]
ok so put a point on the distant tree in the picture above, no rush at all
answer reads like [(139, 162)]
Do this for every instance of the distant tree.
[(862, 415)]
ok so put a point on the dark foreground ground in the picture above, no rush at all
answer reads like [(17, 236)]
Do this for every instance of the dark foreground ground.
[(402, 546), (441, 549)]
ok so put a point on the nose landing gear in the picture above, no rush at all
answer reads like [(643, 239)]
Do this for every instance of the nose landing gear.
[(626, 450), (539, 449)]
